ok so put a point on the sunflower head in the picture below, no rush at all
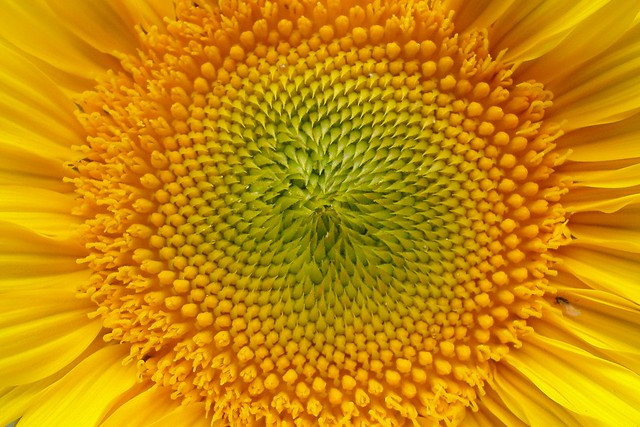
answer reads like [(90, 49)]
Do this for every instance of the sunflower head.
[(334, 213), (320, 211)]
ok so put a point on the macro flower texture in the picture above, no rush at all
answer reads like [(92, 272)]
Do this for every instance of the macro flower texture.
[(320, 213)]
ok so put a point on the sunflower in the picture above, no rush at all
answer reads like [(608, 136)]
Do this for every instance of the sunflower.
[(333, 213)]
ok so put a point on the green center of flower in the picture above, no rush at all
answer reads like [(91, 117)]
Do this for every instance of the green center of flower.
[(308, 213)]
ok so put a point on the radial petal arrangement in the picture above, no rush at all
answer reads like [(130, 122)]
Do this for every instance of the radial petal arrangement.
[(323, 213)]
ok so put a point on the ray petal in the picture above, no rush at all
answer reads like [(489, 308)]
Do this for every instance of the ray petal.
[(606, 89), (530, 30), (611, 141), (611, 271), (57, 338), (515, 394), (600, 322), (588, 39), (190, 415), (84, 395), (142, 410), (577, 380)]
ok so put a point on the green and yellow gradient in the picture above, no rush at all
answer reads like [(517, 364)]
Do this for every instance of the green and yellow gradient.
[(293, 213), (319, 213)]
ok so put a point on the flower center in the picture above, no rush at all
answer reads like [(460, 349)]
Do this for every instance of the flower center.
[(318, 212)]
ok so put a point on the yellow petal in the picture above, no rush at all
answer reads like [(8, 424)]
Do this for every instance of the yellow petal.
[(35, 29), (27, 85), (36, 131), (86, 394), (612, 141), (26, 113), (15, 401), (109, 26), (577, 380), (492, 412), (147, 13), (478, 14), (23, 304), (531, 29), (624, 219), (588, 39), (21, 167), (75, 39), (20, 240), (600, 322), (103, 25), (528, 402), (24, 206), (142, 410), (26, 199), (605, 89), (42, 282), (184, 416), (38, 348), (16, 266), (611, 177), (47, 224), (610, 271), (601, 200), (608, 237)]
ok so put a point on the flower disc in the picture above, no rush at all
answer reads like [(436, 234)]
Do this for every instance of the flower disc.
[(305, 212)]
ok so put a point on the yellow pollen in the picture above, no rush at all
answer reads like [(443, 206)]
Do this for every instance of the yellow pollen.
[(304, 212)]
